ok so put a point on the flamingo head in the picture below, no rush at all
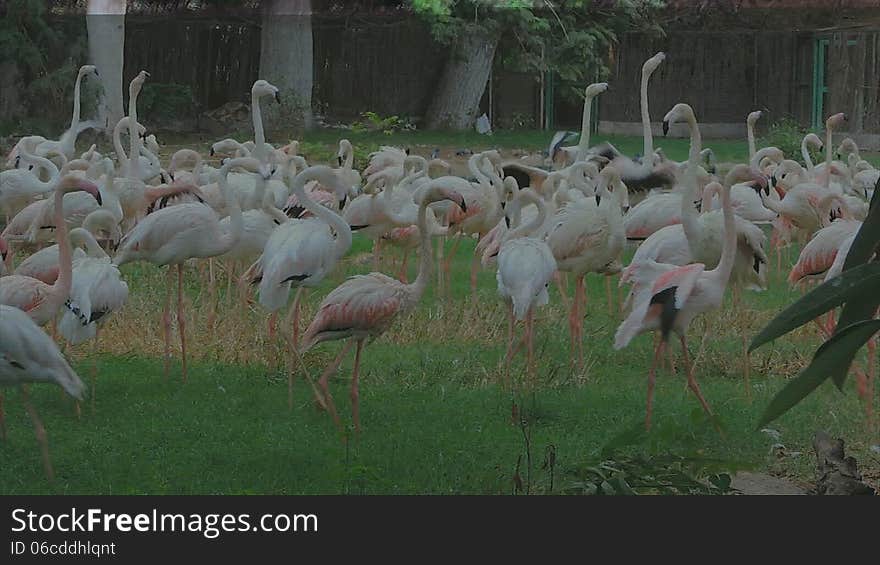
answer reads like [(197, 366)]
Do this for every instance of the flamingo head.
[(263, 88), (88, 70), (651, 64), (835, 120), (74, 183), (595, 89), (754, 117), (4, 250), (679, 113)]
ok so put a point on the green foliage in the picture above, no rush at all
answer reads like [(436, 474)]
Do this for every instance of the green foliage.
[(47, 54), (572, 39), (163, 102), (855, 326), (518, 120), (786, 134), (387, 125)]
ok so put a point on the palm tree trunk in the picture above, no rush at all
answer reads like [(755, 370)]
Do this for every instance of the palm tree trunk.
[(105, 22)]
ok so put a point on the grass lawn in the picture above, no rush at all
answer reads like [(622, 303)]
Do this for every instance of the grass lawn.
[(436, 418)]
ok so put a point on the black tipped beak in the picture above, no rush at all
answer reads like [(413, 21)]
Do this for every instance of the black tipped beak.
[(463, 205), (665, 128), (163, 179), (211, 152), (821, 147), (598, 199), (837, 156), (343, 201), (507, 221), (773, 182), (17, 160), (278, 97), (98, 198), (339, 160), (96, 73), (712, 170), (407, 150)]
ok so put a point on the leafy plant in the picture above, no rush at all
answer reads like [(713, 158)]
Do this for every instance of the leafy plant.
[(855, 290), (786, 134), (388, 125), (658, 474), (163, 102)]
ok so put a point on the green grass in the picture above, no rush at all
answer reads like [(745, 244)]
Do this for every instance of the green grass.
[(435, 416)]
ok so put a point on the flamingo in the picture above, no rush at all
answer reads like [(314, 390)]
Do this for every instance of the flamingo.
[(588, 236), (302, 252), (819, 254), (364, 306), (66, 145), (45, 264), (38, 299), (672, 296), (525, 267), (19, 187), (172, 235), (28, 355)]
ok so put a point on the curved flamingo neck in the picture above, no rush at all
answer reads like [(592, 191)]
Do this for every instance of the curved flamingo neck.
[(74, 120), (728, 251), (324, 175), (647, 134), (528, 197), (584, 142), (805, 154)]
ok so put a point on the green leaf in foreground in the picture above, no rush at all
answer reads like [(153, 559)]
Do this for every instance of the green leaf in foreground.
[(861, 281), (834, 355)]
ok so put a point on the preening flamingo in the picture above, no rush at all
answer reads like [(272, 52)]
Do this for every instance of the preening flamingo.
[(588, 237), (38, 299), (172, 235), (672, 296), (525, 268), (364, 306), (28, 355)]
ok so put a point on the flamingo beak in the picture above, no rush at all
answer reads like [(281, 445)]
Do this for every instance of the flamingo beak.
[(211, 152), (598, 199), (342, 201), (665, 127), (339, 160), (462, 204), (277, 97)]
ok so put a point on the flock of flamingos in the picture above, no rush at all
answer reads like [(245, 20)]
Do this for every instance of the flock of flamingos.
[(288, 224)]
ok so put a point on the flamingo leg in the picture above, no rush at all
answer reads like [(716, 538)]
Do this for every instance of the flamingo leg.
[(508, 355), (652, 377), (608, 296), (441, 246), (230, 274), (376, 255), (561, 285), (271, 322), (181, 317), (475, 267), (580, 305), (355, 390), (212, 295), (2, 417), (530, 344), (94, 368), (40, 432), (324, 384), (692, 382), (166, 320), (403, 275)]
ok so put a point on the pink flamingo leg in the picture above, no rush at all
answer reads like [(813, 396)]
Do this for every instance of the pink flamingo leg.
[(475, 267), (323, 382), (270, 325), (355, 391), (692, 382), (652, 377), (509, 354), (530, 344), (608, 296), (40, 432), (212, 296), (93, 392), (580, 300), (166, 321), (402, 275), (181, 317), (2, 418), (561, 285)]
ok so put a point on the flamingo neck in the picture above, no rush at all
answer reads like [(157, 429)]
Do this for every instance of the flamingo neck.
[(805, 153), (133, 138), (236, 222), (259, 134), (647, 134), (61, 288), (536, 223), (689, 216), (728, 252), (584, 142), (336, 222)]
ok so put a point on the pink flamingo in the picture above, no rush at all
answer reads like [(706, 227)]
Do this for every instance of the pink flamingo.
[(365, 306), (172, 235), (27, 355), (819, 253), (672, 296), (38, 299), (525, 268)]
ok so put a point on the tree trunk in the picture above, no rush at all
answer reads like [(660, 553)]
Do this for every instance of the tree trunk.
[(286, 61), (464, 79), (105, 22)]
